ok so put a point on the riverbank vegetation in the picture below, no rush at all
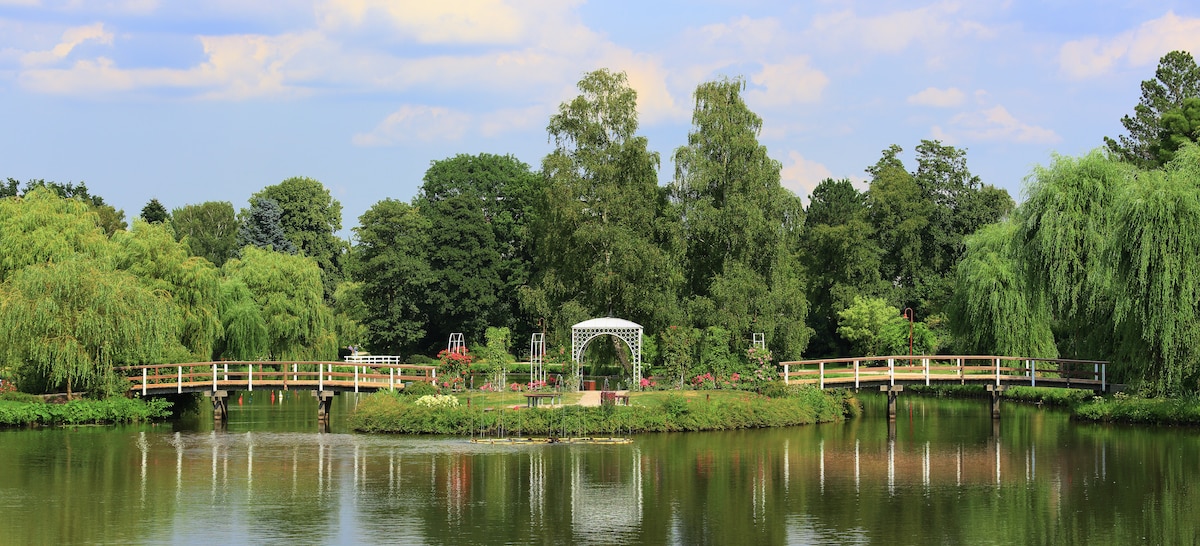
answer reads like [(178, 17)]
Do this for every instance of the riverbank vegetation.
[(664, 411), (28, 410), (1096, 263)]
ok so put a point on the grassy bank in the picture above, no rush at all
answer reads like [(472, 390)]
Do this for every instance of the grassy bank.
[(1121, 408), (25, 410), (648, 412)]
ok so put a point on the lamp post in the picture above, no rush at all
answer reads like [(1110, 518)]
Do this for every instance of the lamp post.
[(908, 314)]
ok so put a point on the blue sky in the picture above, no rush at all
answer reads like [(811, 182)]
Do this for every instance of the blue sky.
[(189, 102)]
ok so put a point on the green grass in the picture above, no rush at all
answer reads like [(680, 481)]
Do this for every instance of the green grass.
[(80, 412), (655, 411), (1121, 408)]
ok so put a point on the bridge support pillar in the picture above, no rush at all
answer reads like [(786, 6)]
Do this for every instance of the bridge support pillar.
[(996, 391), (892, 392), (324, 404), (220, 401)]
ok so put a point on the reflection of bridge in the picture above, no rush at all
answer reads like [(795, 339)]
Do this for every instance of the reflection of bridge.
[(325, 379), (892, 373)]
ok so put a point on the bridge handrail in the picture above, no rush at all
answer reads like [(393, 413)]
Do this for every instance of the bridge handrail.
[(961, 371), (243, 374)]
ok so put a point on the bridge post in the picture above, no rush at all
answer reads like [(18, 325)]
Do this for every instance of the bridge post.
[(324, 404), (220, 401), (995, 391), (892, 392)]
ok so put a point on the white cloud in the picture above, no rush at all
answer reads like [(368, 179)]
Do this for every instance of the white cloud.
[(416, 123), (71, 38), (802, 175), (786, 83), (996, 123), (1142, 46), (236, 67), (896, 31), (941, 98), (457, 22), (513, 119)]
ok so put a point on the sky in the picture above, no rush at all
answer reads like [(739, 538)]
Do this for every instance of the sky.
[(188, 102)]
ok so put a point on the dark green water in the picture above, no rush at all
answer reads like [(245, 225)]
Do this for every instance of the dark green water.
[(943, 475)]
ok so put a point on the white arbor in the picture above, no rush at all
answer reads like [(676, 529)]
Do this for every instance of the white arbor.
[(586, 331)]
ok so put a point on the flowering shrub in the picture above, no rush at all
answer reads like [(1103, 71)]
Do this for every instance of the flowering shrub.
[(516, 387), (648, 383), (456, 362), (704, 380), (437, 401), (536, 385), (452, 383), (7, 386), (487, 387), (760, 360)]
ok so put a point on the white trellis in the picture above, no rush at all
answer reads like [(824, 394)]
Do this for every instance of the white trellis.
[(586, 331), (456, 343), (537, 357), (760, 341)]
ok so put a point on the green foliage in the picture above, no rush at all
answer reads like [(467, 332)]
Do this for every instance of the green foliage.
[(42, 227), (601, 216), (210, 230), (419, 388), (678, 351), (866, 323), (111, 220), (994, 311), (70, 322), (288, 292), (245, 330), (1153, 411), (1180, 126), (1156, 257), (261, 226), (389, 261), (479, 208), (386, 412), (114, 410), (742, 228), (309, 218), (1176, 79), (154, 212), (151, 253)]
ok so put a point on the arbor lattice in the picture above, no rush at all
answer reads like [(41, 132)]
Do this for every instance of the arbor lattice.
[(629, 332)]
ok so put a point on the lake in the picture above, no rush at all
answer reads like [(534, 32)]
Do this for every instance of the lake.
[(944, 472)]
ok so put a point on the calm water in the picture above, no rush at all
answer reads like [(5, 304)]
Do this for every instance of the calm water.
[(944, 474)]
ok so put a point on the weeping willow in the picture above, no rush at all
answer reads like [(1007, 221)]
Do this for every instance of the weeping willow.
[(42, 227), (1063, 230), (992, 310), (245, 330), (289, 295), (1156, 256), (70, 322), (151, 252)]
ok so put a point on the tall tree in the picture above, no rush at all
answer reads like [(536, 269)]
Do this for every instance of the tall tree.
[(601, 214), (994, 311), (287, 289), (1176, 79), (391, 262), (69, 322), (191, 284), (739, 223), (260, 227), (310, 217), (479, 209), (111, 219), (210, 230), (43, 227), (841, 259), (154, 212), (1179, 127)]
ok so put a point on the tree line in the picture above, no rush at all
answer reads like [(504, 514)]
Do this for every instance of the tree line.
[(1093, 264)]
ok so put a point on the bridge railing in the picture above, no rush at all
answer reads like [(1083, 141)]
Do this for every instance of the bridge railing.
[(227, 375), (846, 372)]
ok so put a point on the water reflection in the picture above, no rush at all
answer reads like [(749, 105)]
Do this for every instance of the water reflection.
[(945, 474)]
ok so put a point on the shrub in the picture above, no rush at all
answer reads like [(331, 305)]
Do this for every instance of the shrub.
[(419, 388), (437, 401)]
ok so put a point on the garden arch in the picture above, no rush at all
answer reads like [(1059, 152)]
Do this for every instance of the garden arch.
[(629, 332)]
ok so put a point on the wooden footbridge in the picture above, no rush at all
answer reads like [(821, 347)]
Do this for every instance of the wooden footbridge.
[(325, 379), (891, 373)]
